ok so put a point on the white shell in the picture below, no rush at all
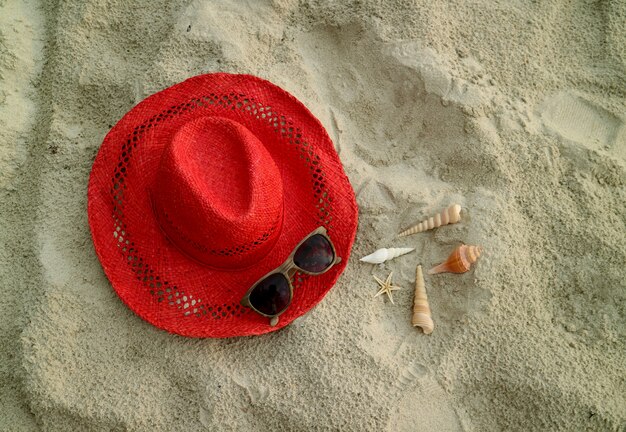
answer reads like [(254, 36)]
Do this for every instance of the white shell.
[(382, 255)]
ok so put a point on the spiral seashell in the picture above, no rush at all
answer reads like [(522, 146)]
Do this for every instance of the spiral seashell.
[(459, 261), (421, 310), (382, 255), (448, 216)]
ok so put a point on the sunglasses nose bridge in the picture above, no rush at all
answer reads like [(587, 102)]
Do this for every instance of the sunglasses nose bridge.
[(291, 272)]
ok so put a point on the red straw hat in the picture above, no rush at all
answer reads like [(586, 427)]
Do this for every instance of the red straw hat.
[(207, 186)]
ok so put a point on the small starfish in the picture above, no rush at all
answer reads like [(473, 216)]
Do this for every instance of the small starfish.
[(386, 287)]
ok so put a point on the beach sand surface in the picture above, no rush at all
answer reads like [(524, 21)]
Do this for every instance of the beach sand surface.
[(515, 109)]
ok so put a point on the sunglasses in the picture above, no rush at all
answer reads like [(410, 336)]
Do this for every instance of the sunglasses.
[(272, 294)]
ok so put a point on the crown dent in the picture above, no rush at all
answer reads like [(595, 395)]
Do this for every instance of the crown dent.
[(218, 194)]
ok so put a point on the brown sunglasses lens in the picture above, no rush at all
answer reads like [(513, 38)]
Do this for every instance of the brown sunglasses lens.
[(272, 295), (314, 255)]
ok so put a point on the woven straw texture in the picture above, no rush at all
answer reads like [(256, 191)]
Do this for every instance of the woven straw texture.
[(168, 285), (218, 194)]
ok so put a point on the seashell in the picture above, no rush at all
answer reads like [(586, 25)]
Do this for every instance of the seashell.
[(421, 309), (459, 261), (382, 255), (447, 216)]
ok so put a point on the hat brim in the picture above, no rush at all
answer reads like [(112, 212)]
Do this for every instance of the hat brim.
[(158, 282)]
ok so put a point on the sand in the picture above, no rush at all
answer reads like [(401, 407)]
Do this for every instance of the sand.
[(515, 109)]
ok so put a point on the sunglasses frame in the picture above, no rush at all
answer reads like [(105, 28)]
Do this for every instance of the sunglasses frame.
[(288, 269)]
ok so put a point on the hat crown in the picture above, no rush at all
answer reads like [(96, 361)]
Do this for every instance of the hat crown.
[(218, 194)]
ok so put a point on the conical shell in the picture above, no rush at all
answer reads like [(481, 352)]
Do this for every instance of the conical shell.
[(459, 261), (382, 255), (447, 216), (421, 310)]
